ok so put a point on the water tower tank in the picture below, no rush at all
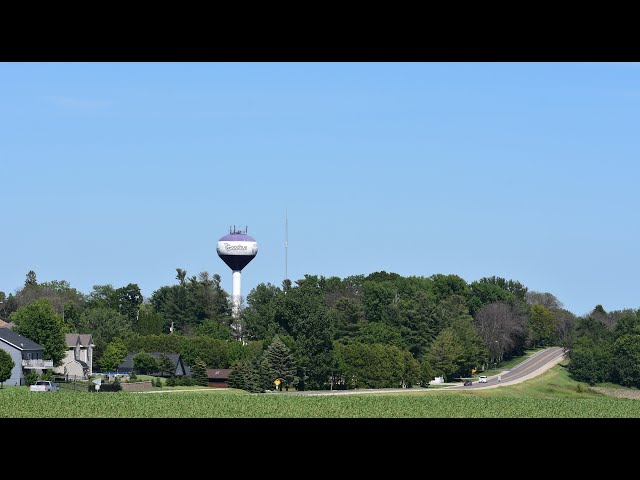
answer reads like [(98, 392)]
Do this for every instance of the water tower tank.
[(237, 249)]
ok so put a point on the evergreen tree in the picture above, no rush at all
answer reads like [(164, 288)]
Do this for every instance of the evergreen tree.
[(239, 377), (149, 321), (199, 373), (165, 365), (31, 280), (281, 362)]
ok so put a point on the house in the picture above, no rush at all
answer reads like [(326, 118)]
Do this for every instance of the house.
[(78, 362), (27, 355), (179, 369), (218, 377)]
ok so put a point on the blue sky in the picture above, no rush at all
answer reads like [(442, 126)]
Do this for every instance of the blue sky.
[(121, 172)]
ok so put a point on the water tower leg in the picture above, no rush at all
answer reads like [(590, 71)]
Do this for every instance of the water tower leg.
[(236, 299)]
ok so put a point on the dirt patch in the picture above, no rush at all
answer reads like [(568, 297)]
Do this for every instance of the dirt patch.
[(618, 392)]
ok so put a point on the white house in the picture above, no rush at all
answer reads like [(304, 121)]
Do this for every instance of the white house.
[(78, 362)]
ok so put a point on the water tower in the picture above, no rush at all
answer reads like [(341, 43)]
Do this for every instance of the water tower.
[(236, 250)]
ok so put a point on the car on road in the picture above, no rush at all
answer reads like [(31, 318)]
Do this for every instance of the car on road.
[(467, 383), (482, 379), (44, 386)]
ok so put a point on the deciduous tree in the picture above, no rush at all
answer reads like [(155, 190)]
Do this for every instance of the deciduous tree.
[(104, 324), (6, 366), (144, 363), (39, 322), (541, 325), (114, 354), (626, 359)]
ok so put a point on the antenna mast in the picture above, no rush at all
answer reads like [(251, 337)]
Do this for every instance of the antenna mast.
[(286, 245)]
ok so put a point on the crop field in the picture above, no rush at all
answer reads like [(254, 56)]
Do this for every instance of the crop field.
[(550, 396)]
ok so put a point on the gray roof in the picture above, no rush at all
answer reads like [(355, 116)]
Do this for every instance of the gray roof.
[(71, 339), (127, 363), (21, 343)]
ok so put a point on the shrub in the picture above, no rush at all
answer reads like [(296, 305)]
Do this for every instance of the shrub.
[(186, 381), (171, 382), (157, 382), (31, 378)]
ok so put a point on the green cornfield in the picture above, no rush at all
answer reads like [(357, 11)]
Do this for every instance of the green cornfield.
[(20, 403)]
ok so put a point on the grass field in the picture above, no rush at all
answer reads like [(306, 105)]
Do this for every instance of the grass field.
[(551, 395)]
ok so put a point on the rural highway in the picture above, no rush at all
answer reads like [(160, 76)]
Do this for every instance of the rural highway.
[(531, 367)]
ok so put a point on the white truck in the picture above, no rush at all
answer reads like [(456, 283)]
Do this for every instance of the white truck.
[(44, 386)]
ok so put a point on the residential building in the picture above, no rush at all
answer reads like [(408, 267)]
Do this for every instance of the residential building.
[(179, 369), (78, 362), (27, 355), (218, 377)]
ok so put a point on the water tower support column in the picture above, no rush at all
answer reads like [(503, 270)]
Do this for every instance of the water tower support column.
[(235, 294)]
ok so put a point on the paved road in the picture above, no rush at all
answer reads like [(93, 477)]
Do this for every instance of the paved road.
[(531, 367)]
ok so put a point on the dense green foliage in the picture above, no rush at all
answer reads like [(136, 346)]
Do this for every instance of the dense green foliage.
[(191, 302), (149, 321), (143, 363), (39, 322), (6, 365), (105, 324), (113, 355), (214, 352), (199, 373), (311, 332), (31, 378), (165, 365), (376, 366), (607, 348), (281, 363)]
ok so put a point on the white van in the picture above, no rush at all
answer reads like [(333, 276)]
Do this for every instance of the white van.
[(482, 379)]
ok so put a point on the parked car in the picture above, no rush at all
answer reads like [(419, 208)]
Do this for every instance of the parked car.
[(482, 379), (44, 386), (467, 383)]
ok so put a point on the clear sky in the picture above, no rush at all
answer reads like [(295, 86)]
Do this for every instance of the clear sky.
[(121, 172)]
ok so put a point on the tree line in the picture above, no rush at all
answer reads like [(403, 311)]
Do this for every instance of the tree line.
[(607, 348), (362, 331)]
